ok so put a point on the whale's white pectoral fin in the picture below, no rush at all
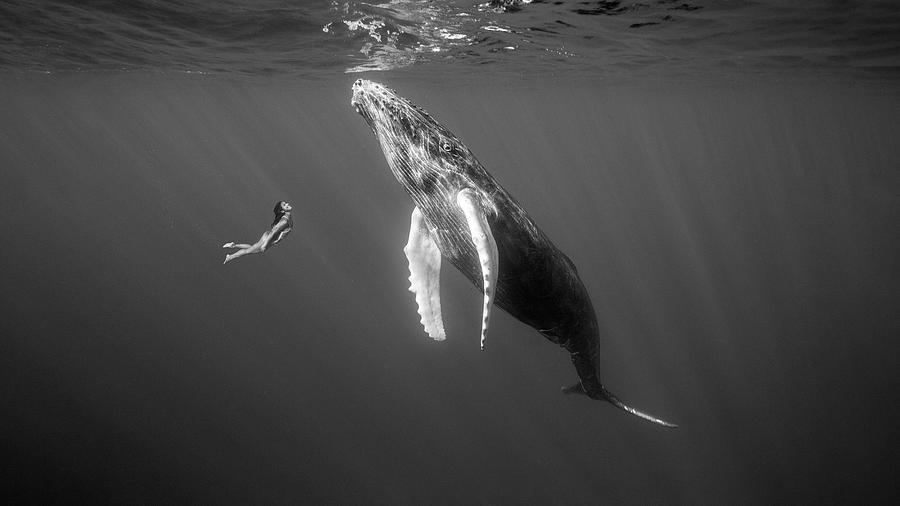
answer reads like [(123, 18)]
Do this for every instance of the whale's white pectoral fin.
[(425, 275), (486, 247)]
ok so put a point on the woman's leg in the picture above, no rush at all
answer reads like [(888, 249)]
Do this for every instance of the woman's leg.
[(236, 246), (256, 248), (236, 254)]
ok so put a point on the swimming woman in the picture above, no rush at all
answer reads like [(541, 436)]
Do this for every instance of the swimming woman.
[(280, 228)]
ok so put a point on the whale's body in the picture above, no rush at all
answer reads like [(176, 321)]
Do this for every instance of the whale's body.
[(463, 214)]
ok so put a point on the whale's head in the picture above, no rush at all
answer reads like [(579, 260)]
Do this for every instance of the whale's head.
[(423, 155)]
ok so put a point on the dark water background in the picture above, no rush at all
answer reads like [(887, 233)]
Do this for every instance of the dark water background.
[(737, 231)]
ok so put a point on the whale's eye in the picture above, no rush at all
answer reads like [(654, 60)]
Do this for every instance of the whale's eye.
[(446, 146)]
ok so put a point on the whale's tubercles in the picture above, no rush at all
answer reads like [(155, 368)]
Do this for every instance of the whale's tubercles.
[(425, 275)]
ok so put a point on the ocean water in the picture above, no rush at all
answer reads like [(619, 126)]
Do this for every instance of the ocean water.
[(724, 175)]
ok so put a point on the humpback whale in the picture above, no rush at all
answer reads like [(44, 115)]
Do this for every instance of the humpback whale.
[(462, 214)]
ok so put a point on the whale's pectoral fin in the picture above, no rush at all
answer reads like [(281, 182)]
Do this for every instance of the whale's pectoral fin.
[(486, 247), (425, 275)]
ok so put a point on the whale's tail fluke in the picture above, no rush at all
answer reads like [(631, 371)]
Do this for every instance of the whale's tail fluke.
[(608, 396), (612, 399)]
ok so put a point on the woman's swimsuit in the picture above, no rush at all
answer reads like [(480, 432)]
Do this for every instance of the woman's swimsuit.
[(281, 229)]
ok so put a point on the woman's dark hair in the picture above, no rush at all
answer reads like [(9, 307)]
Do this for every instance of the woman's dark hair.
[(279, 212)]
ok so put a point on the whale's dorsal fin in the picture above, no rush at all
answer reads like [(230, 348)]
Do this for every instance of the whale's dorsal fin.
[(425, 275), (486, 247)]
